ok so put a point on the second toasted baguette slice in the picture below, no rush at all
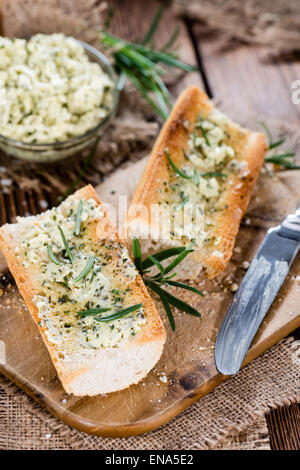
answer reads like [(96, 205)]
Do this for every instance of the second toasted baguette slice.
[(202, 164), (71, 291)]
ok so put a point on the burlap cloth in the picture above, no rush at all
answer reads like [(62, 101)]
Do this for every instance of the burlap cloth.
[(275, 23), (230, 417)]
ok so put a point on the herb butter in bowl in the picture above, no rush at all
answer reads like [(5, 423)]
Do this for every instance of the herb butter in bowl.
[(56, 95)]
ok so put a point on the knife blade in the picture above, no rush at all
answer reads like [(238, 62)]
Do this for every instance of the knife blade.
[(256, 293)]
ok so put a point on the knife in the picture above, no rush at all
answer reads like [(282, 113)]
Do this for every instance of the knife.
[(256, 293)]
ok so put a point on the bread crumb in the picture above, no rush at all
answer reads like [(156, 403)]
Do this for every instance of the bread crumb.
[(43, 204), (234, 287), (163, 378), (245, 264)]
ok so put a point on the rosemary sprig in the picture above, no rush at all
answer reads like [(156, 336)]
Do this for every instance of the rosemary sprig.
[(78, 217), (145, 66), (52, 255), (67, 248), (156, 282), (86, 269), (285, 160)]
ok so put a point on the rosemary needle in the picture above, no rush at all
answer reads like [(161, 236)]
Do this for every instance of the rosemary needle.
[(179, 172), (93, 311), (52, 255), (119, 314), (67, 248), (78, 217), (87, 269)]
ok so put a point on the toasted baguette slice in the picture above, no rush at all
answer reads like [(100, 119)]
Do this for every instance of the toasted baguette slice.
[(90, 356), (218, 163)]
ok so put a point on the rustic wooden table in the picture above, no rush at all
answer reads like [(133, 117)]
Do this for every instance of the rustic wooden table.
[(250, 77)]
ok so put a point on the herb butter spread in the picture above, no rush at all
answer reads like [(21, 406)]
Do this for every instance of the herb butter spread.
[(78, 277), (49, 90), (194, 189)]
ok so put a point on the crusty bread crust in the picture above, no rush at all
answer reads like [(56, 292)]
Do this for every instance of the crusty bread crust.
[(85, 374), (251, 146)]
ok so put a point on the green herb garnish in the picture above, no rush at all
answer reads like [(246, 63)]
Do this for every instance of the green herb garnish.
[(179, 172), (216, 174), (67, 248), (184, 200), (119, 314), (196, 178), (78, 217), (285, 160), (52, 255), (155, 282), (93, 311), (137, 257), (87, 269), (145, 66), (162, 255), (162, 295), (204, 133)]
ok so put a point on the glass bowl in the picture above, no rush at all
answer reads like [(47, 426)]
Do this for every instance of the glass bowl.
[(50, 152)]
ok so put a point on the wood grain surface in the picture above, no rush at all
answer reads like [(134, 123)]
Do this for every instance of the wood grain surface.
[(251, 77)]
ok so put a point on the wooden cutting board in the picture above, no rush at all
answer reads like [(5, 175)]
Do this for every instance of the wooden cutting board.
[(186, 370)]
